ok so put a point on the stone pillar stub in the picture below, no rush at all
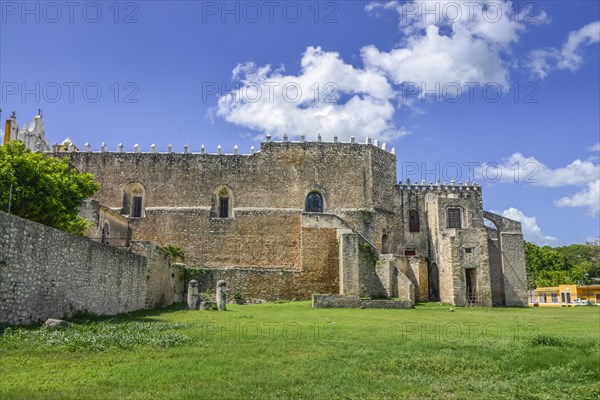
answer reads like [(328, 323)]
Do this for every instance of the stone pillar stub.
[(221, 295), (192, 295)]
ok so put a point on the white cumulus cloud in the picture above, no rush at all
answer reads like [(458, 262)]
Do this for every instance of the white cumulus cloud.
[(528, 170), (328, 96), (543, 61), (588, 197), (531, 231), (450, 42), (520, 169)]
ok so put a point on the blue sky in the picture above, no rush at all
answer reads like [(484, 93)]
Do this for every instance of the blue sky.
[(526, 125)]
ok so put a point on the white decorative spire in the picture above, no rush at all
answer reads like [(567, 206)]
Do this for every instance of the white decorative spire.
[(285, 137), (383, 146), (219, 149), (186, 149), (120, 147), (302, 138), (153, 148), (103, 147), (202, 149), (393, 150), (335, 138), (268, 137), (318, 137), (252, 150), (235, 149), (352, 139), (170, 148), (86, 147), (136, 148)]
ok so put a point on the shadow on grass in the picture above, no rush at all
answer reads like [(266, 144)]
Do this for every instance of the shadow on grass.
[(83, 318), (139, 316)]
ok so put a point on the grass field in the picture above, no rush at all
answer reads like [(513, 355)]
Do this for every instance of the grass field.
[(290, 350)]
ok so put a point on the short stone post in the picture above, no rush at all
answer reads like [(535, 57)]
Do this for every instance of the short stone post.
[(192, 295), (221, 295)]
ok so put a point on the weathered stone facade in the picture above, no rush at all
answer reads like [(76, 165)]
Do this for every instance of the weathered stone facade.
[(47, 273), (299, 218)]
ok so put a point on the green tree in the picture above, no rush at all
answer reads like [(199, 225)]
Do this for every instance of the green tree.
[(547, 266), (44, 189)]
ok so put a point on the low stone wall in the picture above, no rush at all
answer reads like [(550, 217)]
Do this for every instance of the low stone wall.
[(347, 301), (47, 273), (251, 283)]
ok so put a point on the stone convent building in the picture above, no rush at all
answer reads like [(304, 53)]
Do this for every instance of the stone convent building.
[(298, 218)]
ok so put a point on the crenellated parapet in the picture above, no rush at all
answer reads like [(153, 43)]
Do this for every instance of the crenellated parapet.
[(299, 140), (439, 187)]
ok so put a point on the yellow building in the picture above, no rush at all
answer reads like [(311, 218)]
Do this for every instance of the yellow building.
[(564, 295)]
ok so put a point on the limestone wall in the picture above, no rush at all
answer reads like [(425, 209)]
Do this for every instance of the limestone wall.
[(48, 273)]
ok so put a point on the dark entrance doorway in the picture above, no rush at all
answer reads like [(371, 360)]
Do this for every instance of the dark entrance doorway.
[(471, 279), (434, 282)]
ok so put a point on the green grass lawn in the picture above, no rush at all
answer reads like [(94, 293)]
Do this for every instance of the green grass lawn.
[(290, 350)]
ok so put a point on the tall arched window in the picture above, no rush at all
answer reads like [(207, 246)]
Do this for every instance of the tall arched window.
[(105, 233), (413, 221), (223, 206), (134, 200), (222, 202), (314, 202)]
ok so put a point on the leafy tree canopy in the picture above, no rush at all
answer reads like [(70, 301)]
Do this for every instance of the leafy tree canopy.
[(547, 266), (44, 189)]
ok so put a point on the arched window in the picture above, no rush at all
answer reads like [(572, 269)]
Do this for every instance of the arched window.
[(222, 202), (105, 233), (134, 200), (314, 202), (413, 221)]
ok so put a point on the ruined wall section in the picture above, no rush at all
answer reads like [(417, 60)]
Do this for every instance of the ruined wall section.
[(47, 273), (105, 221), (509, 259)]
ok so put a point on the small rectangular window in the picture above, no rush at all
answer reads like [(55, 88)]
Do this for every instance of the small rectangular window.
[(454, 218), (136, 211), (410, 252), (468, 250), (554, 297)]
